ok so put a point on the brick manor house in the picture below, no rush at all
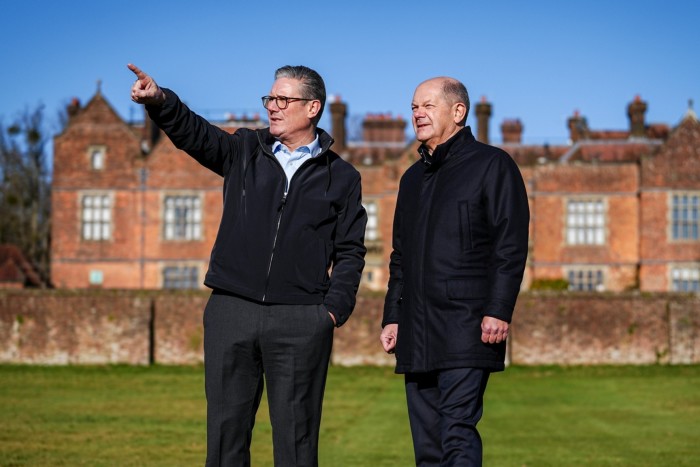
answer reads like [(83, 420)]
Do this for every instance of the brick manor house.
[(610, 211)]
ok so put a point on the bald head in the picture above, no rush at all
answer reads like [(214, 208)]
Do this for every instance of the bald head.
[(453, 91), (440, 107)]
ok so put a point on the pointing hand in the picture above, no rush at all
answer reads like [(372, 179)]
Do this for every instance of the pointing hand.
[(145, 90)]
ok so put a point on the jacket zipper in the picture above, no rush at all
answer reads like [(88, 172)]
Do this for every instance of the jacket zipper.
[(428, 200), (274, 244), (279, 221), (281, 209)]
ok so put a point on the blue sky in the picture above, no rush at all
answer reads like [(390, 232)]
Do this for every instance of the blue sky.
[(534, 60)]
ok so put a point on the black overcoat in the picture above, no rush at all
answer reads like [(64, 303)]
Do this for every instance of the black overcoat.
[(460, 245)]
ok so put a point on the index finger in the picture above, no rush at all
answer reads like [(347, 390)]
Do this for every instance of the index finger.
[(137, 71)]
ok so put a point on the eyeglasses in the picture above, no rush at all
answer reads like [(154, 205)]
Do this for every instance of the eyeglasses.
[(281, 101)]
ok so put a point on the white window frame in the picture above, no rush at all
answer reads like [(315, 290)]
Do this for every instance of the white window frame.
[(182, 216), (180, 277), (586, 278), (372, 232), (97, 156), (684, 216), (685, 277), (585, 221), (96, 216)]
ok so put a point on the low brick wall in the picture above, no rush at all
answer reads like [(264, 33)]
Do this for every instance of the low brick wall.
[(580, 329), (137, 327), (62, 327), (178, 331)]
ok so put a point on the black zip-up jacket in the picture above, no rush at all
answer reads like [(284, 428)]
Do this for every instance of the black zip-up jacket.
[(459, 249), (270, 247)]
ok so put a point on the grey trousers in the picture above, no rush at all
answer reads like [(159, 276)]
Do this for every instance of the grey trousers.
[(287, 346)]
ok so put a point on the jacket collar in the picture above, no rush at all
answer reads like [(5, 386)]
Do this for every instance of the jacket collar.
[(443, 151), (324, 139)]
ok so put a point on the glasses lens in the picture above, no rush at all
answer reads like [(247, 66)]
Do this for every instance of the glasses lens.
[(282, 102)]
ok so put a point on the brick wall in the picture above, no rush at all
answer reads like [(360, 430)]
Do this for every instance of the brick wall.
[(576, 329), (616, 185), (63, 327), (136, 252), (107, 327)]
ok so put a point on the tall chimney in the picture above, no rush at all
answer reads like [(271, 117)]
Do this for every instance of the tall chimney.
[(339, 110), (635, 111), (73, 108), (483, 113), (512, 131), (578, 127), (383, 128)]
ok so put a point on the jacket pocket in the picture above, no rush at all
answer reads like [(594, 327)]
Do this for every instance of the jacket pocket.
[(325, 246), (467, 288), (465, 235)]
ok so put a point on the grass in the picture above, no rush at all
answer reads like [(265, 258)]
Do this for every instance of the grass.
[(155, 416)]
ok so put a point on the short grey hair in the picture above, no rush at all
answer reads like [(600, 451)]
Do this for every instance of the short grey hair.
[(312, 85), (456, 92)]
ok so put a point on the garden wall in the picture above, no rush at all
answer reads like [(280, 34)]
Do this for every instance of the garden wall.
[(164, 327)]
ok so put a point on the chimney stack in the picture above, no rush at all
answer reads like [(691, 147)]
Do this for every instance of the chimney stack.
[(512, 131), (483, 113), (73, 108), (635, 111), (339, 111), (383, 128), (578, 127)]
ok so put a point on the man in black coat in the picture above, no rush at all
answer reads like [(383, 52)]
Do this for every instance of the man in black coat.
[(460, 244), (292, 210)]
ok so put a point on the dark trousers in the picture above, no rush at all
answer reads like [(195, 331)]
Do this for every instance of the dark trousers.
[(443, 409), (290, 345)]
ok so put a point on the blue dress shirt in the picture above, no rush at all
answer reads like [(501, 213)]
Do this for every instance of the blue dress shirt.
[(291, 161)]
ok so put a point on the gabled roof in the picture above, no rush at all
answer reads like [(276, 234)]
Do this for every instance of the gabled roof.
[(98, 112), (677, 162)]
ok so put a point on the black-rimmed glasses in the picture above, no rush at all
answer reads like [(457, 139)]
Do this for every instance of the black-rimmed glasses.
[(281, 101)]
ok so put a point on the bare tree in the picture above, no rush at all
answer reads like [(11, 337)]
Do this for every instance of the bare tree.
[(25, 202)]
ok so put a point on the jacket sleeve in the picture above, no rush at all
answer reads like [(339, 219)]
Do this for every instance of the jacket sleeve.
[(349, 254), (208, 144), (508, 217), (392, 301)]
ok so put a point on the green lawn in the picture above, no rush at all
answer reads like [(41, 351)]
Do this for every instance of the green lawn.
[(135, 416)]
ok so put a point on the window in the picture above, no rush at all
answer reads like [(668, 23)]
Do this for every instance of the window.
[(589, 280), (96, 277), (97, 157), (372, 229), (96, 217), (180, 277), (685, 216), (371, 278), (585, 222), (685, 279), (183, 218)]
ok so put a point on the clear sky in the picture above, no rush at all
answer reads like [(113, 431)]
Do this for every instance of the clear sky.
[(534, 60)]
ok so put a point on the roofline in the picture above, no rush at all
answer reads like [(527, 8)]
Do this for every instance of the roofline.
[(579, 144)]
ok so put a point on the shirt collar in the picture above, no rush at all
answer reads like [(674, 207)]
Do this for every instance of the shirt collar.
[(313, 148)]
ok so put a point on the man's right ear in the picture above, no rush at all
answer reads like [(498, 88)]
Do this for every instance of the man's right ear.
[(314, 109), (459, 112)]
